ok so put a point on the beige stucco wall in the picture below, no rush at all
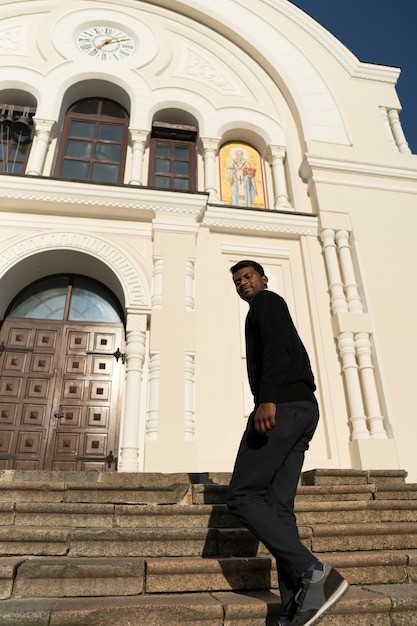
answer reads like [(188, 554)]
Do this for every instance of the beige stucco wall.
[(264, 74)]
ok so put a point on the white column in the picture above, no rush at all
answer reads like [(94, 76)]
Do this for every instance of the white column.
[(153, 396), (136, 325), (189, 284), (357, 418), (345, 340), (397, 131), (189, 397), (369, 389), (44, 133), (337, 294), (276, 156), (138, 139), (348, 272), (210, 147), (388, 129)]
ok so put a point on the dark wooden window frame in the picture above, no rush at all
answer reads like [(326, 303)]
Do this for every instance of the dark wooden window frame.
[(175, 135), (98, 119)]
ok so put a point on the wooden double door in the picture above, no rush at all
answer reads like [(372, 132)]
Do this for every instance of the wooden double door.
[(60, 388)]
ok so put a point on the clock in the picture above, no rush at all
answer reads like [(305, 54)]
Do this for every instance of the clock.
[(105, 43)]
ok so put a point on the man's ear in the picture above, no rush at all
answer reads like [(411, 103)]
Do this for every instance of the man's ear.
[(265, 280)]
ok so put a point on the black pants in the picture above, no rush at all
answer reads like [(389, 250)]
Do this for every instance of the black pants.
[(264, 484)]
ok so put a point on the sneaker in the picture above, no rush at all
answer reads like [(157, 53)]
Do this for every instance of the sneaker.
[(317, 594), (285, 620)]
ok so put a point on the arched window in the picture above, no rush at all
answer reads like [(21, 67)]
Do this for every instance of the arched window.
[(94, 142), (173, 156), (16, 133), (67, 298)]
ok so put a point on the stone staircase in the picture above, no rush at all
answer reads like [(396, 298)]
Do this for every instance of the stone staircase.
[(151, 549)]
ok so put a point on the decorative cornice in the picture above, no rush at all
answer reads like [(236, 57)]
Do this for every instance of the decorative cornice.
[(28, 193), (229, 219), (313, 168)]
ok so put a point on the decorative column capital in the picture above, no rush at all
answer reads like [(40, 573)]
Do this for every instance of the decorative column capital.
[(276, 152), (138, 136), (210, 144), (45, 127)]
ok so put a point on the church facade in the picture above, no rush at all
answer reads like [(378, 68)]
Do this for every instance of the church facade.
[(146, 147)]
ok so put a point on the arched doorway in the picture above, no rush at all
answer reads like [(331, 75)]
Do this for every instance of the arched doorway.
[(61, 367)]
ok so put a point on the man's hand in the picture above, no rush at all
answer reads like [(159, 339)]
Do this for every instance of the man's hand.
[(264, 418)]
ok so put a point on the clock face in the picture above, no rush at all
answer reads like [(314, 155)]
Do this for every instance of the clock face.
[(105, 43)]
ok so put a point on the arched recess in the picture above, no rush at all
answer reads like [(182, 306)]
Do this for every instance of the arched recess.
[(41, 255), (32, 257)]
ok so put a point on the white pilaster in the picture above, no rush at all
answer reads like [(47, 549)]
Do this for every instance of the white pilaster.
[(136, 325), (157, 276), (189, 284), (189, 397), (153, 396)]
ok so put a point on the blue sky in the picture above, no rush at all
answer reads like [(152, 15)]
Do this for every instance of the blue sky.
[(377, 31)]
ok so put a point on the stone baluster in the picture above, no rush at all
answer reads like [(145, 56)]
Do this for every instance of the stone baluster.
[(210, 148), (388, 129), (346, 345), (369, 389), (138, 139), (44, 133), (136, 326), (348, 272), (337, 294), (397, 131)]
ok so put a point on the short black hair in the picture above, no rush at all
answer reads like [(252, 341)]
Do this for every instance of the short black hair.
[(247, 263)]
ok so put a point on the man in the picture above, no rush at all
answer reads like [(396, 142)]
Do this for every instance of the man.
[(271, 453)]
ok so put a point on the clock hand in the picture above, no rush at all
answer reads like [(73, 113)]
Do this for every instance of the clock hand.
[(110, 40)]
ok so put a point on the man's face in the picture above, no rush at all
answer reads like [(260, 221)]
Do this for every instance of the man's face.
[(249, 282)]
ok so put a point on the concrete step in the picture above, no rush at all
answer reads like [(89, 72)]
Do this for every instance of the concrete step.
[(185, 541), (87, 515), (91, 487), (172, 489), (61, 577), (357, 537), (342, 477), (377, 606)]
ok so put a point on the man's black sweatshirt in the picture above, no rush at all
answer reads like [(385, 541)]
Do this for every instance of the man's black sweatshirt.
[(278, 365)]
